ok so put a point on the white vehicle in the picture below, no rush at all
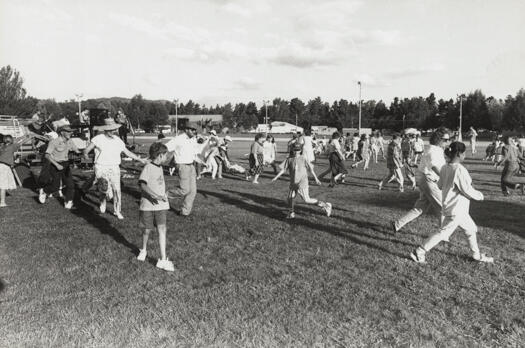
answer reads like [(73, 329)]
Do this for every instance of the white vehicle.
[(9, 125)]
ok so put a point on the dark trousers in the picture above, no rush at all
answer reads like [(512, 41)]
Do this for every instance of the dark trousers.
[(507, 176), (64, 175), (123, 134)]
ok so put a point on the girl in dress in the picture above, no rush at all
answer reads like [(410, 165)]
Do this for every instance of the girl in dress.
[(363, 152), (336, 158), (7, 180), (269, 151)]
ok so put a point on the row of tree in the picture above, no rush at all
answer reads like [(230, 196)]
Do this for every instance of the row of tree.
[(478, 110)]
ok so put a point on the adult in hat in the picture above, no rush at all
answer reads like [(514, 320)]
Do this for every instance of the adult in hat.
[(185, 149), (108, 149), (429, 193), (56, 168), (122, 119)]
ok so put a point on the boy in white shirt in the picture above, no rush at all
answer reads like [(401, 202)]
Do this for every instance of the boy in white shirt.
[(457, 191), (154, 204)]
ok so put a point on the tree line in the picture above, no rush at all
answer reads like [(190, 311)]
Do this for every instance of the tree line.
[(478, 110)]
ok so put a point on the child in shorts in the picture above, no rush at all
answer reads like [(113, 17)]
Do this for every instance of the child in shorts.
[(298, 167), (154, 204)]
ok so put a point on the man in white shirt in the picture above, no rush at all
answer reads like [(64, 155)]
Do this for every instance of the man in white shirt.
[(431, 164), (473, 136), (184, 148)]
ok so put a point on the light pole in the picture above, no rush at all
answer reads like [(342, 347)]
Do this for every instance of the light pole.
[(266, 113), (460, 137), (79, 99), (359, 129), (404, 121), (176, 116)]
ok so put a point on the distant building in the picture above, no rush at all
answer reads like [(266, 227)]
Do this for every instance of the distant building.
[(277, 127), (323, 130), (215, 119)]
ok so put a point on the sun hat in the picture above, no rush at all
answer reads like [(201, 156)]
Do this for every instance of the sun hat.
[(65, 128), (109, 124), (228, 138), (213, 132), (445, 136)]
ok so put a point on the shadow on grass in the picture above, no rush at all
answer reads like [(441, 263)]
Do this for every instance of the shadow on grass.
[(2, 285), (86, 212), (275, 213), (501, 215)]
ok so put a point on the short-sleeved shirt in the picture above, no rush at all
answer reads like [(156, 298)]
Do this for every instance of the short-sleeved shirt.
[(297, 168), (59, 149), (256, 149), (108, 150), (153, 176), (434, 157)]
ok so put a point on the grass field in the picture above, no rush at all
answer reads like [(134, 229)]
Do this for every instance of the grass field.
[(247, 277)]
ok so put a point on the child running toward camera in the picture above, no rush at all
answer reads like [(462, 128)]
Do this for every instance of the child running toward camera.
[(154, 204), (394, 163), (298, 167), (456, 185)]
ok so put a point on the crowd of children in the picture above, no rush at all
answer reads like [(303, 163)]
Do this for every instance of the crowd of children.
[(446, 187)]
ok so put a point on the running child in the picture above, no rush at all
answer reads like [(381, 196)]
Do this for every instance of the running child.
[(154, 204), (456, 185), (298, 167), (394, 163)]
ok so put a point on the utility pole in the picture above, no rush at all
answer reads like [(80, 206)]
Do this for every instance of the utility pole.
[(79, 99), (266, 114), (460, 137), (176, 116), (359, 129), (404, 126)]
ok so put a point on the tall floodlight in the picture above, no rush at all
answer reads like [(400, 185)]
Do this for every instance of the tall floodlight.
[(461, 96), (359, 129), (266, 113), (79, 99), (176, 116)]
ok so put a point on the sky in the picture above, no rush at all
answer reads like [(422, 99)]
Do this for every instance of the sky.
[(218, 51)]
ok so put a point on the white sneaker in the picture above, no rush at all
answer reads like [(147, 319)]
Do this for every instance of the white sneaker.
[(103, 206), (291, 216), (42, 196), (418, 255), (68, 205), (118, 215), (166, 265), (328, 209), (484, 258), (142, 255)]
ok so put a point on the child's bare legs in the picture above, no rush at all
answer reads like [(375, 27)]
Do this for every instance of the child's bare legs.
[(367, 161), (255, 177), (291, 203), (2, 198), (161, 229), (145, 237)]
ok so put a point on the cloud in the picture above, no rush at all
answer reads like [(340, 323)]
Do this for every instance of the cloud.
[(368, 80), (247, 83), (413, 71)]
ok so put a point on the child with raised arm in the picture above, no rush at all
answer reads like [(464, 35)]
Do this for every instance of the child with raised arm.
[(456, 185), (154, 204), (298, 167)]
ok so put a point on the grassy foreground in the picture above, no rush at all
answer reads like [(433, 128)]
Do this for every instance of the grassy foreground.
[(248, 277)]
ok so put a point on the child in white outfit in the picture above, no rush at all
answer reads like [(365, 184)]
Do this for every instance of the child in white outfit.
[(298, 167), (456, 185)]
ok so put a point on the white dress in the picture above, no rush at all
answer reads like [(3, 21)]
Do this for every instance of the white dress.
[(308, 148)]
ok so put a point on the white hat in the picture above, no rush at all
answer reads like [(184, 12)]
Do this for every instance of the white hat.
[(228, 138), (213, 132), (109, 124)]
